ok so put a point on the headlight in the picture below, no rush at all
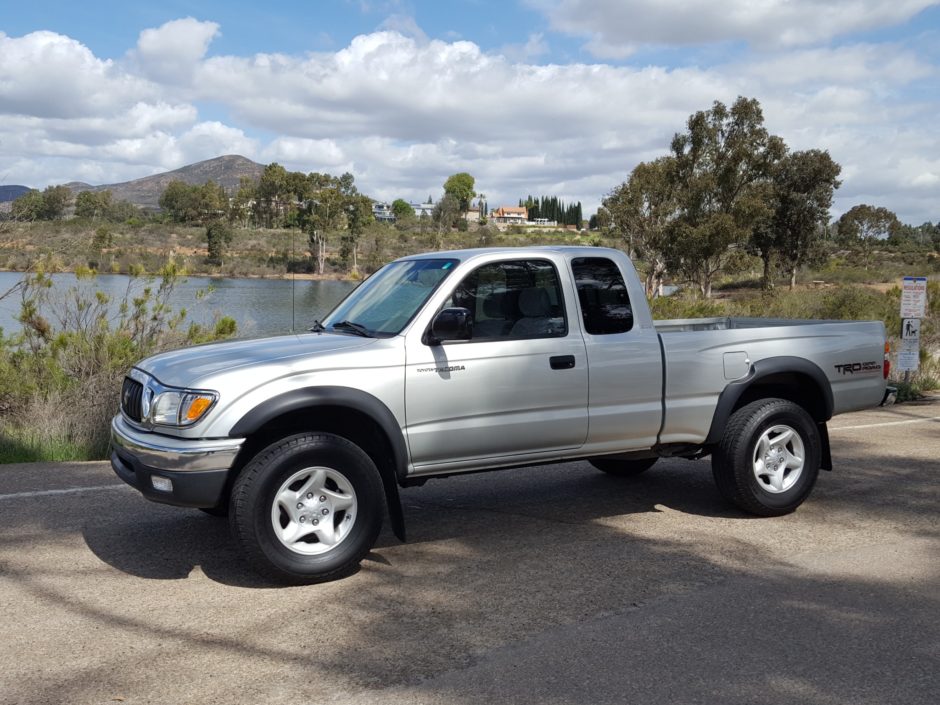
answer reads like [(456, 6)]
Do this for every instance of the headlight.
[(179, 408)]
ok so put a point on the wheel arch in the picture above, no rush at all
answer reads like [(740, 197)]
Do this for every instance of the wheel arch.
[(785, 377), (349, 413)]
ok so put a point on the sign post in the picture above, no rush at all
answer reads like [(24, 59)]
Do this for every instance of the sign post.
[(913, 308)]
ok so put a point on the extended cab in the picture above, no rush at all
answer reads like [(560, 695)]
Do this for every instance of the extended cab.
[(453, 362)]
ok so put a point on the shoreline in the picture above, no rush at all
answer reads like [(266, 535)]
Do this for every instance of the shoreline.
[(287, 276)]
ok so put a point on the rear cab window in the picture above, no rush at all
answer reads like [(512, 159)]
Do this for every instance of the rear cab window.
[(602, 295)]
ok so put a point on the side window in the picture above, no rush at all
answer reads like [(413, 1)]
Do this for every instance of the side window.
[(602, 294), (513, 299)]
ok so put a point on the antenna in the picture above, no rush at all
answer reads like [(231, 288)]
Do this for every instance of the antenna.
[(292, 280)]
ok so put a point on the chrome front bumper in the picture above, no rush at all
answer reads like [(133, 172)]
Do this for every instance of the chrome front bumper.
[(173, 454), (186, 473)]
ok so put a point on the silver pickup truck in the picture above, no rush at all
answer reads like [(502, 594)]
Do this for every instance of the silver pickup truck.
[(454, 362)]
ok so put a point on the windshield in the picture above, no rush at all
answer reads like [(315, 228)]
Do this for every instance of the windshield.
[(385, 302)]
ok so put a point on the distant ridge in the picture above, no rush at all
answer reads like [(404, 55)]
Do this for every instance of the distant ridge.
[(12, 192), (226, 170)]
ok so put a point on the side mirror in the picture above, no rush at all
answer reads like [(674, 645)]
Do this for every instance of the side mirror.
[(451, 324)]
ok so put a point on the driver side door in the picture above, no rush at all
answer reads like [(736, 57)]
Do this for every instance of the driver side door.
[(518, 386)]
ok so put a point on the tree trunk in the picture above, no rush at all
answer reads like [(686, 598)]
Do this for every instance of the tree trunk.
[(792, 277), (768, 281)]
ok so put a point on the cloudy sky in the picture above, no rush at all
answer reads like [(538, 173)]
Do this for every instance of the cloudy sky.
[(557, 97)]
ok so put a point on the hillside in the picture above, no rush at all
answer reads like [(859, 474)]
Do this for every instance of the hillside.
[(11, 192), (226, 170)]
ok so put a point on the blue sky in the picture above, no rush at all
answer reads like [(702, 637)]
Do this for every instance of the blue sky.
[(537, 96)]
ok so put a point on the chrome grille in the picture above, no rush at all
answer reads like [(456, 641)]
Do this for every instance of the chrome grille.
[(132, 394)]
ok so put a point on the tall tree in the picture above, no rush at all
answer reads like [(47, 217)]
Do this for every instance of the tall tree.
[(864, 226), (271, 198), (445, 214), (93, 205), (802, 189), (239, 210), (640, 210), (401, 209), (460, 186), (27, 207), (722, 165), (358, 216), (218, 236), (55, 199), (180, 201)]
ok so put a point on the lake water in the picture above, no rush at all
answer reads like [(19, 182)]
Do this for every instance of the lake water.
[(260, 306)]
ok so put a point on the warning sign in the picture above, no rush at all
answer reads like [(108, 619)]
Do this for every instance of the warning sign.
[(914, 297)]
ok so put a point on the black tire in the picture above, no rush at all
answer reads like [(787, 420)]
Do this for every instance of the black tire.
[(254, 499), (622, 468), (734, 465)]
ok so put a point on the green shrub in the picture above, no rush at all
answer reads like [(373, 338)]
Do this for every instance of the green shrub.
[(61, 375)]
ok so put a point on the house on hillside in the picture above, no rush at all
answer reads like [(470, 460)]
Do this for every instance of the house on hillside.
[(510, 215), (475, 213), (422, 209), (382, 212)]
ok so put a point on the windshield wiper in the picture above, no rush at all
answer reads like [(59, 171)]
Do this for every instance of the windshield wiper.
[(356, 328), (317, 327)]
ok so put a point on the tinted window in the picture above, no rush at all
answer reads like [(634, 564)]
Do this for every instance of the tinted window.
[(602, 294), (515, 299)]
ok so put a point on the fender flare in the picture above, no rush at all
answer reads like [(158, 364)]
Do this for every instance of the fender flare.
[(762, 369), (356, 400)]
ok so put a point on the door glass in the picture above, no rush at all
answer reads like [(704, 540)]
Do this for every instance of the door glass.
[(513, 300)]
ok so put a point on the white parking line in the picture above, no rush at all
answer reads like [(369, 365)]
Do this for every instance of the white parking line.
[(70, 490), (884, 423)]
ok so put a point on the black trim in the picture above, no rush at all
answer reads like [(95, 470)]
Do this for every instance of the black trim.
[(825, 450), (662, 395), (356, 400), (190, 489), (761, 369)]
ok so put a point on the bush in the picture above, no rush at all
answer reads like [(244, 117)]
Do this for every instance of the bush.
[(60, 377)]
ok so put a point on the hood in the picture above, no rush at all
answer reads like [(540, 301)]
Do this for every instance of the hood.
[(194, 367)]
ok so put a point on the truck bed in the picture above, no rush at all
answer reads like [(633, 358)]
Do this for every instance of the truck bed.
[(703, 355)]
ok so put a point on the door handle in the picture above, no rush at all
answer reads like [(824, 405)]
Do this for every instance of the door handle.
[(561, 362)]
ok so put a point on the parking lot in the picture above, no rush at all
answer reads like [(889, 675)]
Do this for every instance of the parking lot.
[(542, 585)]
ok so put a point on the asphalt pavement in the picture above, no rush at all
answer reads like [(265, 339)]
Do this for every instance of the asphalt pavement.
[(555, 584)]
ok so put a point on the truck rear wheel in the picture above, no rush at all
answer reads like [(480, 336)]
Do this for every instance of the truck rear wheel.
[(768, 458), (622, 468), (307, 508)]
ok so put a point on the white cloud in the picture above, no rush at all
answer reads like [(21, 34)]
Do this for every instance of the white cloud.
[(170, 52), (48, 75), (403, 113), (615, 28)]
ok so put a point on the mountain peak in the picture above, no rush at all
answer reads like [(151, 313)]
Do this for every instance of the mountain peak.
[(226, 170)]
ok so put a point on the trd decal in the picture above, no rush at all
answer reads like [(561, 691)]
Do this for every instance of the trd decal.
[(852, 367)]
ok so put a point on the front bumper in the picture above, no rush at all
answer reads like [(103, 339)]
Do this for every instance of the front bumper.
[(197, 469)]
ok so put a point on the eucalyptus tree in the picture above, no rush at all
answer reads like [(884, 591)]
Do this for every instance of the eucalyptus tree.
[(723, 163), (802, 188), (639, 211)]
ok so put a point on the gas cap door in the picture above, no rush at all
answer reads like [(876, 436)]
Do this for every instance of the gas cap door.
[(737, 365)]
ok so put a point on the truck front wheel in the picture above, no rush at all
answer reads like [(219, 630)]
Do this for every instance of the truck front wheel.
[(307, 508), (768, 458)]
